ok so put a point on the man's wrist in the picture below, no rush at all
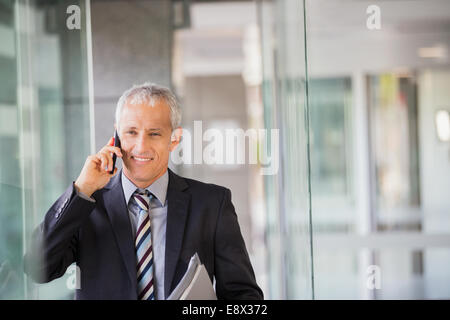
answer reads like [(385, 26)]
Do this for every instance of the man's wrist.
[(82, 189)]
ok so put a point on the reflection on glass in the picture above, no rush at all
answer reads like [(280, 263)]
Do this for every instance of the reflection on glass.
[(273, 237), (393, 117), (330, 108), (44, 135), (288, 204)]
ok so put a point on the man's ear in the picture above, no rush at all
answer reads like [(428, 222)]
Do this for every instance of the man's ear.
[(175, 138)]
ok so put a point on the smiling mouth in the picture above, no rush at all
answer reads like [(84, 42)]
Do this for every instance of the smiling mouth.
[(142, 159)]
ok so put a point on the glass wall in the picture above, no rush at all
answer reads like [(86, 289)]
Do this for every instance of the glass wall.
[(359, 90), (44, 127), (378, 75)]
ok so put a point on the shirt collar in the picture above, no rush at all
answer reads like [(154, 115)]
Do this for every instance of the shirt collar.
[(158, 188)]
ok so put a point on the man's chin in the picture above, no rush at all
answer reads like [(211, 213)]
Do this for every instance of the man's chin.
[(142, 176)]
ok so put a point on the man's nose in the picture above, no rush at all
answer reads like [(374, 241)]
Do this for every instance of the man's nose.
[(142, 144)]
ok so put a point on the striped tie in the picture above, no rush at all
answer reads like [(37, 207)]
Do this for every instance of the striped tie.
[(143, 244)]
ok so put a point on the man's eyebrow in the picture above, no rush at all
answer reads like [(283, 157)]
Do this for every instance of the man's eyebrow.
[(149, 129)]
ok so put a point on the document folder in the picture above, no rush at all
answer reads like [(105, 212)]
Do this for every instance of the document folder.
[(195, 284)]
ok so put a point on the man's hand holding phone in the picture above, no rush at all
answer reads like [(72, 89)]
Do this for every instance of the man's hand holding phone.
[(96, 171)]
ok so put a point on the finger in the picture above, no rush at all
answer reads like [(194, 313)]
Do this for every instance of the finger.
[(110, 142), (109, 160), (115, 150), (93, 158), (104, 161), (101, 160)]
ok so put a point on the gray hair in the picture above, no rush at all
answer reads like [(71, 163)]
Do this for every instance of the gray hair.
[(150, 93)]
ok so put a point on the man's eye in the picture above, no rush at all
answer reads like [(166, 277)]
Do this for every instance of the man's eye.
[(155, 134), (131, 132)]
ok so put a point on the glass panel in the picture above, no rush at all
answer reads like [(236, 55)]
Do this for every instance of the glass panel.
[(10, 178), (45, 129), (283, 44), (217, 77), (275, 264), (378, 79)]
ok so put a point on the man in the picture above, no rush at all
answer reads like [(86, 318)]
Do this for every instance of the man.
[(132, 234)]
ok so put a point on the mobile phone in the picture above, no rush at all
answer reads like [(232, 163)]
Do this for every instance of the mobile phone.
[(116, 144)]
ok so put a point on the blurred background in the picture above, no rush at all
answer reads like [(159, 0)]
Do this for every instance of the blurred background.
[(359, 91)]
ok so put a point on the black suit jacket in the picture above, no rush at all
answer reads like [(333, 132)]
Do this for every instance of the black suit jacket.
[(97, 236)]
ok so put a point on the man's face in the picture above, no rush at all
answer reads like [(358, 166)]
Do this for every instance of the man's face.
[(145, 136)]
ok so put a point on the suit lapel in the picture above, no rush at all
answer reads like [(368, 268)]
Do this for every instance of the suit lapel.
[(117, 210), (177, 212)]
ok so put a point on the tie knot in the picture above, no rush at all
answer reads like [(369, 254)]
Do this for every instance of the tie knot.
[(142, 197), (142, 192)]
